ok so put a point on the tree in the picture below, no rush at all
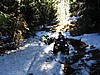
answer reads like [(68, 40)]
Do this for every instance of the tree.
[(38, 13), (10, 12)]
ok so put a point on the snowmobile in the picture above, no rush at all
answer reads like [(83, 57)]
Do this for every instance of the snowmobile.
[(50, 40), (61, 46)]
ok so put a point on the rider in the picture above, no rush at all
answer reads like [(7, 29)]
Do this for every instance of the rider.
[(45, 37), (60, 44), (60, 36)]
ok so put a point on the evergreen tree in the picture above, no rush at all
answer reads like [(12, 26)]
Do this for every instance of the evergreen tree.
[(38, 13)]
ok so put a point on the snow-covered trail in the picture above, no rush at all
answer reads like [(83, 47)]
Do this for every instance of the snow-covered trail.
[(34, 57), (31, 59), (17, 63), (44, 65)]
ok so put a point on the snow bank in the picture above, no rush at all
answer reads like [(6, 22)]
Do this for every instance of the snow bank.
[(33, 57)]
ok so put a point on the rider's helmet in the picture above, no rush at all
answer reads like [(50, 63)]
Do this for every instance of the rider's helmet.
[(60, 35), (46, 35)]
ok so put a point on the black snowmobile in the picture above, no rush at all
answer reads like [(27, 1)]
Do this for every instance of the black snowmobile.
[(50, 40), (61, 45)]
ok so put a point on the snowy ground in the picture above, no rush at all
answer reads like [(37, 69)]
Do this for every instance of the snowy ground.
[(34, 57)]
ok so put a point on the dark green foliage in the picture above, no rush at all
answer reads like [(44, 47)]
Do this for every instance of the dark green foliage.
[(6, 26), (38, 13), (89, 12), (35, 12), (8, 6), (5, 22), (16, 14)]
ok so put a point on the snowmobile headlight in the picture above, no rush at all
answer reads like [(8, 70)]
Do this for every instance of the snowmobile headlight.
[(58, 44), (56, 47), (61, 40), (65, 44)]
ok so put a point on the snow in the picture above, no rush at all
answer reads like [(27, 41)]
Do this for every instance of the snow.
[(90, 39), (30, 59), (4, 37), (94, 39), (35, 57), (73, 19)]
